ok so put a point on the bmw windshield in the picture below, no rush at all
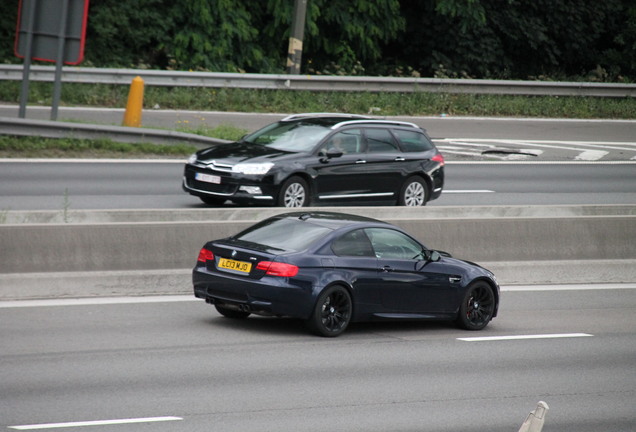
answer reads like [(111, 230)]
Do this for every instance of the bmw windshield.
[(289, 136)]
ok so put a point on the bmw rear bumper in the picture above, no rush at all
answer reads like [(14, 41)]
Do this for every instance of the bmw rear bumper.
[(269, 295)]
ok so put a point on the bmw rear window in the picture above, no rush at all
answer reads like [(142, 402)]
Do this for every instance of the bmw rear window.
[(286, 234)]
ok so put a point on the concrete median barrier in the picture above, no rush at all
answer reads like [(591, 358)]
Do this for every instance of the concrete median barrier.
[(523, 245)]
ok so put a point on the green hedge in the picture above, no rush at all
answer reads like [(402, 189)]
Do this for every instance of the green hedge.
[(515, 39)]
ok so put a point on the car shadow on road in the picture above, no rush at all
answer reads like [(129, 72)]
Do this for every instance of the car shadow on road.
[(294, 327)]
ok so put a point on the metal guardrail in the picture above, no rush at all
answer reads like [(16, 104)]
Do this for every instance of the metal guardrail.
[(320, 82), (56, 129)]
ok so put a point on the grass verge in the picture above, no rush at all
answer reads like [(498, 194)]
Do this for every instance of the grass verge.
[(36, 147), (288, 101)]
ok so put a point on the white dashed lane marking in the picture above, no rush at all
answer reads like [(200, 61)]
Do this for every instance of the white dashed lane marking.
[(524, 337), (94, 423)]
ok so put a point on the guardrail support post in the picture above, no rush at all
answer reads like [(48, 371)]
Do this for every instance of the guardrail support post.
[(132, 116)]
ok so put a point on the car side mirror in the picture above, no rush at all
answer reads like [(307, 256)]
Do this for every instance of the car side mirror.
[(329, 154), (333, 153), (428, 256), (434, 256)]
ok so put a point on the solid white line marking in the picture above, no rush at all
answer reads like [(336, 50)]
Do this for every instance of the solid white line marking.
[(97, 301), (94, 423), (572, 287), (468, 191), (536, 162), (522, 337), (92, 161)]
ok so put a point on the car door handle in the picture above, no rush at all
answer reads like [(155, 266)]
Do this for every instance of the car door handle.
[(361, 161), (386, 269), (399, 159)]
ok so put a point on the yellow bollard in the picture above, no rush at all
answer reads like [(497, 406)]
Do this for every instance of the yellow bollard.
[(132, 116)]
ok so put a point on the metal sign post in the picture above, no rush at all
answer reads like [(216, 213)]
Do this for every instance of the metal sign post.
[(295, 51), (24, 92), (61, 41), (53, 31)]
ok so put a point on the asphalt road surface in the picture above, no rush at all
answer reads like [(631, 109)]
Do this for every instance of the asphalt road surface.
[(79, 185), (459, 138), (440, 126), (530, 162), (176, 365)]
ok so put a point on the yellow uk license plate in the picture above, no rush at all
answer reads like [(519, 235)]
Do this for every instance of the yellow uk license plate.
[(229, 264)]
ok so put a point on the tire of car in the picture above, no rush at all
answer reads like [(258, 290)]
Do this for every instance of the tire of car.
[(231, 313), (414, 193), (477, 308), (294, 193), (332, 312), (214, 201)]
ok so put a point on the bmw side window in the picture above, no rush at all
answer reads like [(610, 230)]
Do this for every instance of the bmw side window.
[(391, 244), (347, 142), (380, 141), (354, 243), (413, 141)]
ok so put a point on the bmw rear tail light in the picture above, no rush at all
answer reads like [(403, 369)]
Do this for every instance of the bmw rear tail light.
[(438, 158), (278, 269), (205, 255)]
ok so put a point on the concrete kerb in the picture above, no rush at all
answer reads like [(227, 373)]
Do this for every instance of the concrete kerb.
[(259, 213)]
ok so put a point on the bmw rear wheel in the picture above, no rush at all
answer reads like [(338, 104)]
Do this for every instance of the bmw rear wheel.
[(414, 193), (332, 312), (477, 308), (294, 193)]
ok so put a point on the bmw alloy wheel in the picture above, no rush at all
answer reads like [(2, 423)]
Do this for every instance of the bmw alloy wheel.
[(477, 308), (332, 313)]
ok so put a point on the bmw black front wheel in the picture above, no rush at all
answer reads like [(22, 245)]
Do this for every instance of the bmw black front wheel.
[(332, 312), (477, 308)]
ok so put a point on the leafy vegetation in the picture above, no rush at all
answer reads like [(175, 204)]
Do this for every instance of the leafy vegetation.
[(506, 39)]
